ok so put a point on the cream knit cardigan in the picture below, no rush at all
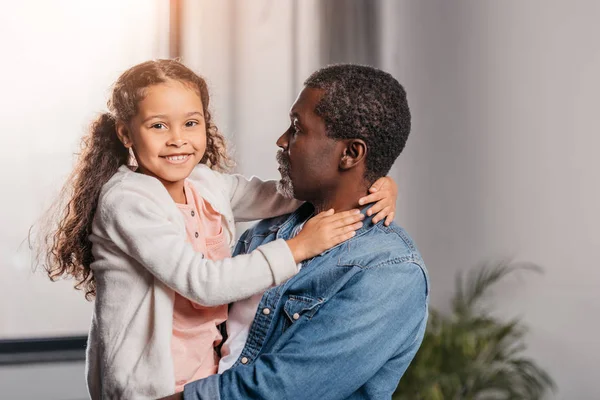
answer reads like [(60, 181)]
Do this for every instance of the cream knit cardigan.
[(141, 258)]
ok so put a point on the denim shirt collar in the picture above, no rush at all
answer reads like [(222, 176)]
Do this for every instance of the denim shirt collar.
[(306, 211)]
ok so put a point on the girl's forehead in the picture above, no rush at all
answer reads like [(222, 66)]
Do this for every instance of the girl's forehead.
[(170, 97)]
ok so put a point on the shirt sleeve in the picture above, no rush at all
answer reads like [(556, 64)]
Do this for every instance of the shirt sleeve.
[(138, 226), (254, 199), (380, 314)]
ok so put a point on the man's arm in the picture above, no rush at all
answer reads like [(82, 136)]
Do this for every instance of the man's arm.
[(379, 314)]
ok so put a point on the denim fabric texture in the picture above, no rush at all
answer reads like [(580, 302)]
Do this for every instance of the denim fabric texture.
[(346, 327)]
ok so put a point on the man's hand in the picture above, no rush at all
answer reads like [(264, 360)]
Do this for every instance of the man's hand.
[(383, 193)]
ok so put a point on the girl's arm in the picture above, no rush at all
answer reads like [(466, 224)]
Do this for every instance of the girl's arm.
[(133, 220)]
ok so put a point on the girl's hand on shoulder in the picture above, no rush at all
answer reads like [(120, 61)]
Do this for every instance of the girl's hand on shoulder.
[(384, 193), (324, 231)]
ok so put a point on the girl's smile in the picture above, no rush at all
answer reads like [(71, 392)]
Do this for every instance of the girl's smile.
[(168, 134), (177, 158)]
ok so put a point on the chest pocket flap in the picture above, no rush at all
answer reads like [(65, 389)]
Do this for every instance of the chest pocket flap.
[(301, 306)]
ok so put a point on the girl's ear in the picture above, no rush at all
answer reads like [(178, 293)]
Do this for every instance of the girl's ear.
[(123, 134), (354, 153)]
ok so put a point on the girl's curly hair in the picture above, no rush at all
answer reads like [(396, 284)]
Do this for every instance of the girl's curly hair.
[(63, 245)]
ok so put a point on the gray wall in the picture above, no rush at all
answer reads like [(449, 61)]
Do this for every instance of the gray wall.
[(503, 160)]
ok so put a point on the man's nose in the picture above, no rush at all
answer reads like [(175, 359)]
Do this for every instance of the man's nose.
[(283, 141)]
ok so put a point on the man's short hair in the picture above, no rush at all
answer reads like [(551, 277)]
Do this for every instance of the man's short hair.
[(362, 102)]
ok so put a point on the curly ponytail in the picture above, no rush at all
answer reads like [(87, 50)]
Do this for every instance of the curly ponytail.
[(67, 248)]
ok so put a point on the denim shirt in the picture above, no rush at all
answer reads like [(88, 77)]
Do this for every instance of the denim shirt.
[(345, 327)]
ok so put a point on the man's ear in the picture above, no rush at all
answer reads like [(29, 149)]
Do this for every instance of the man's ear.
[(354, 153), (123, 134)]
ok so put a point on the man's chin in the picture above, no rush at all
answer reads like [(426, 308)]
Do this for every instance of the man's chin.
[(285, 188)]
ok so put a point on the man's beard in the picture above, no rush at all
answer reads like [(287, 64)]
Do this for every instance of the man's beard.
[(284, 185)]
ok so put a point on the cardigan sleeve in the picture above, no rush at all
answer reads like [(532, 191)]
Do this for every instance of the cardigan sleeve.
[(137, 225), (253, 199)]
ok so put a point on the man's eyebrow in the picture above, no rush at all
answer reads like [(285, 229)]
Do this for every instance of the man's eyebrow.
[(294, 114)]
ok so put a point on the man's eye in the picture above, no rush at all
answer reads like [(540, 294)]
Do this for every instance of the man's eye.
[(158, 126)]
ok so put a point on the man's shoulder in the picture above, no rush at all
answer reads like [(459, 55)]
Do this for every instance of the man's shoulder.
[(386, 255), (381, 245)]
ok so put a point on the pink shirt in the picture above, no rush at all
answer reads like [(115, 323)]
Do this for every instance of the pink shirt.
[(195, 332)]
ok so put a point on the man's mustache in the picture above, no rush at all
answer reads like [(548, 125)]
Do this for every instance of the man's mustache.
[(284, 162)]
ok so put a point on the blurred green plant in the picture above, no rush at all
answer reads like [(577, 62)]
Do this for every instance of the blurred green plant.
[(472, 355)]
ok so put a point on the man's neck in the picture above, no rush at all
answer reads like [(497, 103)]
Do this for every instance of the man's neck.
[(344, 198)]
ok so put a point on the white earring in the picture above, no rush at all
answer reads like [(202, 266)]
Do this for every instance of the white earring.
[(132, 161)]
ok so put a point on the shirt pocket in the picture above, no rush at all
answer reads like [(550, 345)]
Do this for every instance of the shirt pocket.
[(299, 308)]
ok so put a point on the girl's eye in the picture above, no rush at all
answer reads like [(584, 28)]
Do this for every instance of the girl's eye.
[(158, 126), (189, 124)]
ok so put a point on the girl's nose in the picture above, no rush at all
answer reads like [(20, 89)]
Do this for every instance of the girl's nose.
[(176, 139)]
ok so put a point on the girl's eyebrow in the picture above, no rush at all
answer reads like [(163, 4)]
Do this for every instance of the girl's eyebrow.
[(157, 116), (194, 113), (161, 116)]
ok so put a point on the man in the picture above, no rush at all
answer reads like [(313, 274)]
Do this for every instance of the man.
[(348, 325)]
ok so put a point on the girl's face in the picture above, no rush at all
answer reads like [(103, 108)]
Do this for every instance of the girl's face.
[(168, 134)]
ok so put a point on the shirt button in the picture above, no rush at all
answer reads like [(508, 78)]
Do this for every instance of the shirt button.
[(244, 360), (266, 311), (196, 234), (193, 213), (296, 316)]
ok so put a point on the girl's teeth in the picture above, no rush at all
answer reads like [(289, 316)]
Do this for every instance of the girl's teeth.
[(176, 158)]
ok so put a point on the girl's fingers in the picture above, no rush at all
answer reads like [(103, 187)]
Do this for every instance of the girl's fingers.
[(376, 208), (343, 237), (341, 215), (347, 221), (348, 228), (377, 185), (381, 215), (345, 230), (327, 213), (373, 197), (389, 219)]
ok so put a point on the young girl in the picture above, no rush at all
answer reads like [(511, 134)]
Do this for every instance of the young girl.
[(153, 245)]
